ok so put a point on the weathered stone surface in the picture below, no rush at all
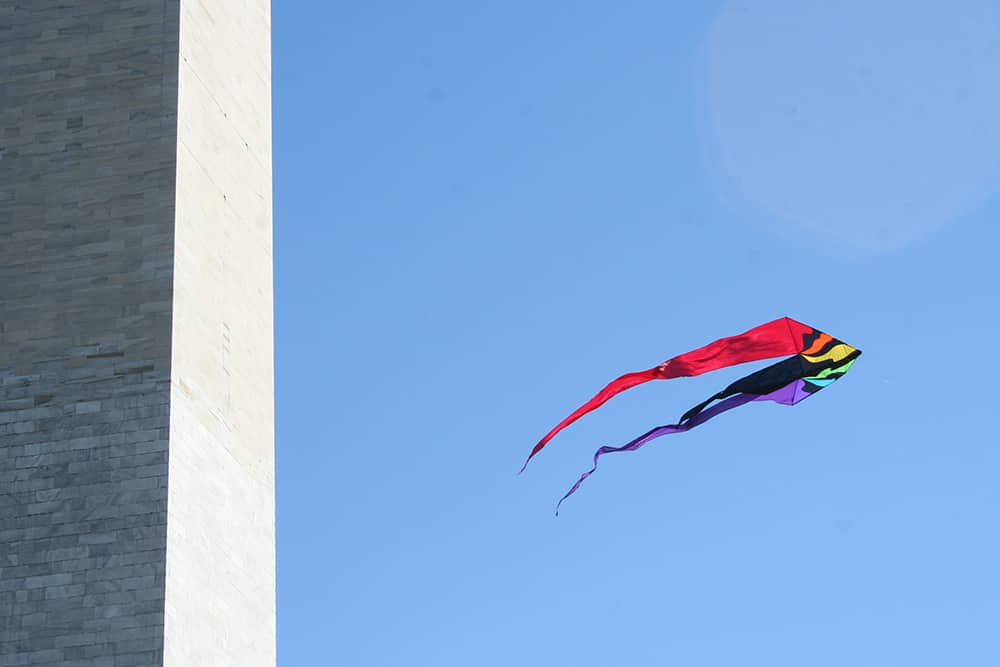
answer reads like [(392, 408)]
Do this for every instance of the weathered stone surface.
[(220, 535), (135, 333)]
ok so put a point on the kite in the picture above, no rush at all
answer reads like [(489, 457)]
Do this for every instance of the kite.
[(818, 359)]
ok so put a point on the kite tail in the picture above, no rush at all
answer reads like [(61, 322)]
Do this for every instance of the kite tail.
[(627, 447), (660, 431), (616, 386)]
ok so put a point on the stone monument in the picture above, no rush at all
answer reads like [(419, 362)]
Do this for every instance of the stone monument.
[(136, 334)]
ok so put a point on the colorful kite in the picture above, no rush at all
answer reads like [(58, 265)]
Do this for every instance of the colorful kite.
[(819, 359)]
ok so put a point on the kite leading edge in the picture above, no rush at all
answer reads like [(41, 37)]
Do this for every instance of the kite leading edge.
[(819, 359)]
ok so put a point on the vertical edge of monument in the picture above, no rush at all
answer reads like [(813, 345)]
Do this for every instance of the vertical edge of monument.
[(220, 583)]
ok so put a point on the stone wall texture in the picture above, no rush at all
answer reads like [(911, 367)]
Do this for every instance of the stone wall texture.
[(220, 534), (136, 400)]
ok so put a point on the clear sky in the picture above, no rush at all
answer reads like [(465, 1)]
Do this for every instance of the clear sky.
[(486, 210)]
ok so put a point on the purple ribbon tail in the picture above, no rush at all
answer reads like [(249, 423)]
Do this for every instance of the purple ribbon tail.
[(659, 431), (628, 447)]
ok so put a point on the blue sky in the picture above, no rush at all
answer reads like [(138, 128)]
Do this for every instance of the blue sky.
[(485, 211)]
